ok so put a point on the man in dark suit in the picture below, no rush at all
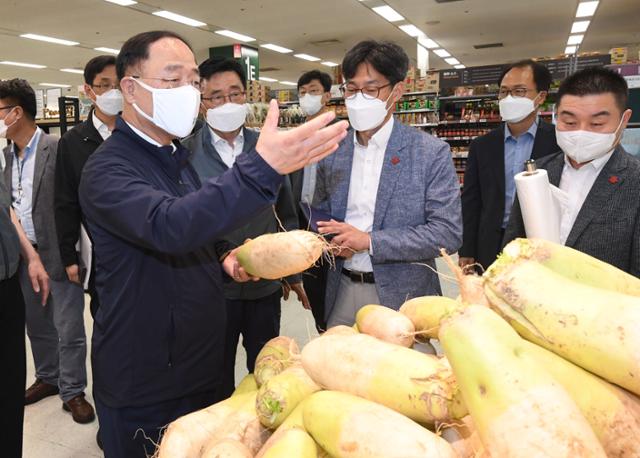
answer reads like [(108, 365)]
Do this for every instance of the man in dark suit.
[(56, 330), (495, 158), (74, 148), (602, 217), (253, 309)]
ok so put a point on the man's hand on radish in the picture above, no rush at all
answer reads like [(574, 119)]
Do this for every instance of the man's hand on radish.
[(347, 237), (232, 267)]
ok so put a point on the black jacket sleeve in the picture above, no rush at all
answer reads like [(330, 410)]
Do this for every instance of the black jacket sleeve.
[(515, 226), (288, 216), (67, 206), (471, 205)]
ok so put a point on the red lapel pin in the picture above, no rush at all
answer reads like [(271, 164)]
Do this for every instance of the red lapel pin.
[(613, 179), (395, 160)]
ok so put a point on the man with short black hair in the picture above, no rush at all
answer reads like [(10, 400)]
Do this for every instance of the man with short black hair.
[(495, 158), (602, 216), (395, 188), (56, 331), (158, 339), (253, 309), (74, 148)]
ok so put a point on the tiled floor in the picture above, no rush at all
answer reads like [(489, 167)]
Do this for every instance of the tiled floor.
[(49, 432)]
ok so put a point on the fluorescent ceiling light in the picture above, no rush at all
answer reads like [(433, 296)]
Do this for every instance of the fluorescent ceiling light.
[(235, 36), (55, 85), (411, 30), (58, 41), (288, 83), (442, 53), (460, 66), (122, 2), (307, 57), (21, 64), (276, 48), (388, 13), (328, 63), (269, 80), (570, 49), (72, 70), (587, 9), (575, 39), (109, 50), (452, 61), (428, 43), (580, 26), (179, 18)]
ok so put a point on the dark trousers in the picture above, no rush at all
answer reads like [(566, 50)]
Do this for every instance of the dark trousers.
[(315, 285), (258, 321), (132, 432), (13, 363), (93, 294)]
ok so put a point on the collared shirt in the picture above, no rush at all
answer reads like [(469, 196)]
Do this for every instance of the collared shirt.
[(308, 182), (516, 152), (22, 184), (577, 183), (363, 189), (227, 152), (101, 127), (144, 136)]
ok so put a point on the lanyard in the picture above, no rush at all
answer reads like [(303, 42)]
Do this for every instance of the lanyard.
[(20, 165)]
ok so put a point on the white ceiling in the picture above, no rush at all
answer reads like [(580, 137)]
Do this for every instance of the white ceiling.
[(528, 28)]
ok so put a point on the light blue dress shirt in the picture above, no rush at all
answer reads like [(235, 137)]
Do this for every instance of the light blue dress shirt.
[(516, 152), (22, 185)]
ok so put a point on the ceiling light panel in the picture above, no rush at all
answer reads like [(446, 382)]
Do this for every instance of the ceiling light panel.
[(21, 64), (452, 61), (411, 30), (122, 2), (580, 26), (575, 39), (428, 43), (58, 41), (587, 9), (442, 53), (269, 80), (179, 18), (460, 66), (288, 83), (55, 85), (72, 70), (276, 48), (307, 57), (388, 13), (235, 35), (570, 49), (107, 50)]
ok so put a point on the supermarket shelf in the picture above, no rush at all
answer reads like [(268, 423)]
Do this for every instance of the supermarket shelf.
[(462, 121), (428, 124), (460, 155), (546, 113), (455, 139), (420, 93), (420, 110), (455, 98)]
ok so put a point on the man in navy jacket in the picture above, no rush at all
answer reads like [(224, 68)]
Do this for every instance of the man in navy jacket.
[(159, 333)]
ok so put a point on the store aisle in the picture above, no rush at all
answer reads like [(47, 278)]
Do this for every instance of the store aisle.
[(49, 432)]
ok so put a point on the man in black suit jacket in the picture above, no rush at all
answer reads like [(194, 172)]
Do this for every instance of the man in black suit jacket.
[(74, 148), (495, 158), (599, 176)]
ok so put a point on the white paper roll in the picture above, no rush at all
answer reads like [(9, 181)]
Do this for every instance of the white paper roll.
[(540, 210)]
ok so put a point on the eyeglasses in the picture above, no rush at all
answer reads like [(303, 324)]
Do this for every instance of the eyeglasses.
[(349, 91), (233, 97), (517, 92), (171, 83), (105, 86)]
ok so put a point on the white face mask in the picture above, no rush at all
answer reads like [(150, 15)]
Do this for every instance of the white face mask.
[(515, 109), (110, 103), (4, 127), (227, 117), (174, 110), (366, 114), (585, 146), (311, 104)]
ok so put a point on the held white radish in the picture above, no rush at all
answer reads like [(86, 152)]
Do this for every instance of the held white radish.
[(276, 355), (227, 448), (385, 324), (518, 408), (420, 386), (347, 426), (341, 329), (275, 256), (471, 285)]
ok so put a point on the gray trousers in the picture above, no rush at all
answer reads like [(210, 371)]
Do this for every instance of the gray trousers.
[(56, 333), (350, 298)]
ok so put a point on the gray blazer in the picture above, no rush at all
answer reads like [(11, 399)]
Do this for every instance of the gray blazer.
[(42, 205), (417, 212), (608, 224)]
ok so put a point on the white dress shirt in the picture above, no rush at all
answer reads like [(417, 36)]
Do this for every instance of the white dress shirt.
[(148, 139), (363, 189), (577, 183), (227, 152), (22, 180), (101, 127)]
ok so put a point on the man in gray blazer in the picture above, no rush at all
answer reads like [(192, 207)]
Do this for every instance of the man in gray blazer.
[(599, 176), (56, 330), (391, 191)]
